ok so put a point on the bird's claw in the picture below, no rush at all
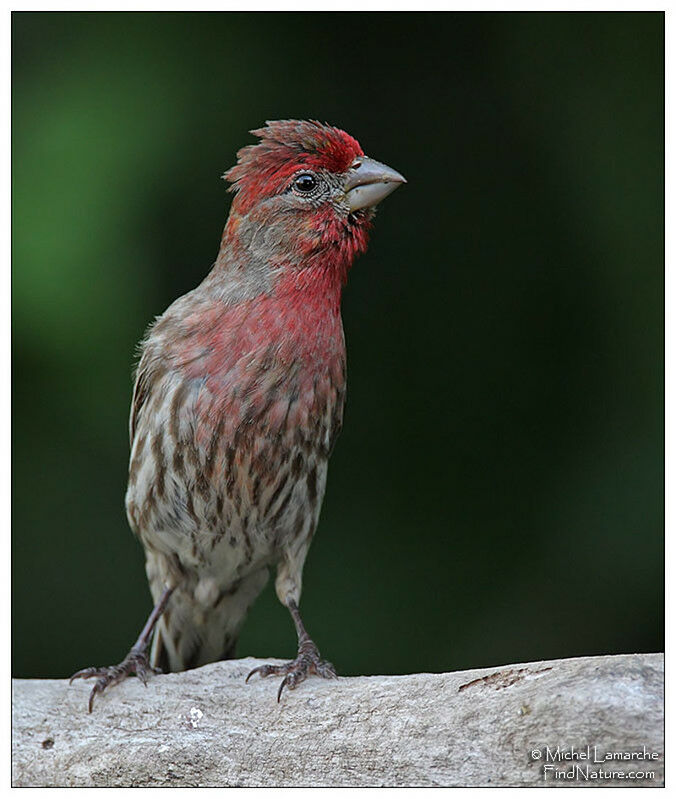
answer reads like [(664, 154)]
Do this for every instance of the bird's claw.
[(135, 663), (309, 661)]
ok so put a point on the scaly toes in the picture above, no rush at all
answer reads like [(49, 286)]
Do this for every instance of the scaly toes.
[(85, 674), (288, 682), (99, 687), (267, 670), (296, 671), (144, 670), (106, 677), (326, 670), (135, 663), (296, 676), (301, 669)]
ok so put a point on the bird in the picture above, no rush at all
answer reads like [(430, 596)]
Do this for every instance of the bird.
[(238, 400)]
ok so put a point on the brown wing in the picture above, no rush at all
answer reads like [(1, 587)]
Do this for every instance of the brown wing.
[(140, 395)]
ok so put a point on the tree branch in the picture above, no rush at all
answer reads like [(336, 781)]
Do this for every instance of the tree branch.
[(478, 727)]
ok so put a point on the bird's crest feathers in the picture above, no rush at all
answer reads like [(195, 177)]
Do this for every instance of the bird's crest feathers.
[(284, 146)]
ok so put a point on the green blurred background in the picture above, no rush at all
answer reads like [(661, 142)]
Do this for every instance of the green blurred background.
[(497, 492)]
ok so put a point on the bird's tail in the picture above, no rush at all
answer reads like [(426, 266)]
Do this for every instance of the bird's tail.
[(201, 625)]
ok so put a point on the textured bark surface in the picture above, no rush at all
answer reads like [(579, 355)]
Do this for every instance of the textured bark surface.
[(479, 727)]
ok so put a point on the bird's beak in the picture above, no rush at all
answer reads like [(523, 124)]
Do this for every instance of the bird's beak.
[(368, 182)]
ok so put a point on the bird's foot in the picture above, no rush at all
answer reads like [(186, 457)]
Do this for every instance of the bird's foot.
[(136, 663), (309, 661)]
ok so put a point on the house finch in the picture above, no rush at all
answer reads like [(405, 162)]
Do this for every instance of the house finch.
[(239, 398)]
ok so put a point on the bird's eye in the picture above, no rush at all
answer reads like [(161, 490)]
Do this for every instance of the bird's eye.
[(305, 183)]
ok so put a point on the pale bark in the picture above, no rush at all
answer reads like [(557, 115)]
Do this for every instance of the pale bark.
[(478, 727)]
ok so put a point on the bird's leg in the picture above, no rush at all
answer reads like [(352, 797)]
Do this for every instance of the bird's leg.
[(136, 662), (308, 661)]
